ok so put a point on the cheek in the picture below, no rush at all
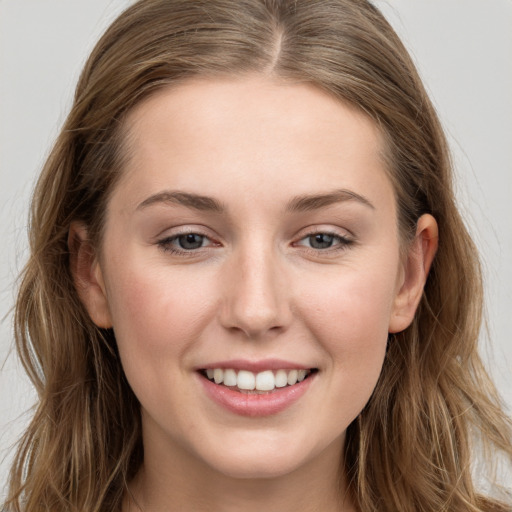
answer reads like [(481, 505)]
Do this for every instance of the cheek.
[(352, 312), (158, 315), (350, 319)]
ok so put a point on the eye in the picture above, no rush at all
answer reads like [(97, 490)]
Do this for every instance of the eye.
[(323, 241), (190, 241), (185, 242)]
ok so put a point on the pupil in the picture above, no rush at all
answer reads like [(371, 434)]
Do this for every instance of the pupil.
[(321, 241), (190, 241)]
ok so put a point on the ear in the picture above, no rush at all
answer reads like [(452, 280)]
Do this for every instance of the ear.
[(420, 255), (87, 275)]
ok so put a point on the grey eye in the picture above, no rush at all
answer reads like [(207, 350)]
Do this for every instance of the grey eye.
[(190, 241), (321, 240)]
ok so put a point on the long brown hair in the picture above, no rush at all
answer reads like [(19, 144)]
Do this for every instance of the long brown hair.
[(411, 447)]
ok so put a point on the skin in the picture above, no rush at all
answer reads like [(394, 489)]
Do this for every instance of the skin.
[(256, 289)]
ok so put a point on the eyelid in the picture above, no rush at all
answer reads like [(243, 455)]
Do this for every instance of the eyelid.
[(325, 229), (345, 240), (183, 229), (164, 242)]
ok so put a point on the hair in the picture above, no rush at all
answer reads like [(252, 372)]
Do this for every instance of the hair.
[(412, 447)]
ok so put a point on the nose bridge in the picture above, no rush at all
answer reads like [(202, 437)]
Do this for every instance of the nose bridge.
[(255, 301)]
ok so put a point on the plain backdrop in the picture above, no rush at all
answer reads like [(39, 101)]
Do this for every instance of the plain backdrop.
[(463, 49)]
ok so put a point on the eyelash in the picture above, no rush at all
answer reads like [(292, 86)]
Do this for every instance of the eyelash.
[(166, 244), (340, 242)]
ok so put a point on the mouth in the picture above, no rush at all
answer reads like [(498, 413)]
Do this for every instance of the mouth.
[(251, 383)]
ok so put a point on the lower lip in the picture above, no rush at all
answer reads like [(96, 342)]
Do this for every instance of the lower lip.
[(266, 404)]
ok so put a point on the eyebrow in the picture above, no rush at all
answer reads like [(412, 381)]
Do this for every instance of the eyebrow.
[(301, 203), (195, 201), (317, 201)]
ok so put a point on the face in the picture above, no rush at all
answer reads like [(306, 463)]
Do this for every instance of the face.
[(251, 270)]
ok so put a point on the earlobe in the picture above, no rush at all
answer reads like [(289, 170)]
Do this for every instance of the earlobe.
[(87, 275), (417, 265)]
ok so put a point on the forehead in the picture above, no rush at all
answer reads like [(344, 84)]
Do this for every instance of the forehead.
[(251, 132)]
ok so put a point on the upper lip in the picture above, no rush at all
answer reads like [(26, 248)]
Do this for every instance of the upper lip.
[(256, 366)]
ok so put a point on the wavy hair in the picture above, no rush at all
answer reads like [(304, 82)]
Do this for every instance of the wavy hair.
[(411, 448)]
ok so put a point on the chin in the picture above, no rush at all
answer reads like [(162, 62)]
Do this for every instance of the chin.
[(253, 461), (257, 469)]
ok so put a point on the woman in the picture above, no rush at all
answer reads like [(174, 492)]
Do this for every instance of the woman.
[(250, 286)]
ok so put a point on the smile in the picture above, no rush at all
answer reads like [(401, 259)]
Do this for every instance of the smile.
[(266, 390), (265, 381)]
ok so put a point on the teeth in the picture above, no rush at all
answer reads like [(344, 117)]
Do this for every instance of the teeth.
[(281, 379), (245, 380), (265, 381), (218, 375), (292, 377), (230, 378), (262, 381)]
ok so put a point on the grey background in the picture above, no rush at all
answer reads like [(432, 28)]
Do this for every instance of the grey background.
[(463, 49)]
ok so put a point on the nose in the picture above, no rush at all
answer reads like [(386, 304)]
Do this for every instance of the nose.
[(256, 297)]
